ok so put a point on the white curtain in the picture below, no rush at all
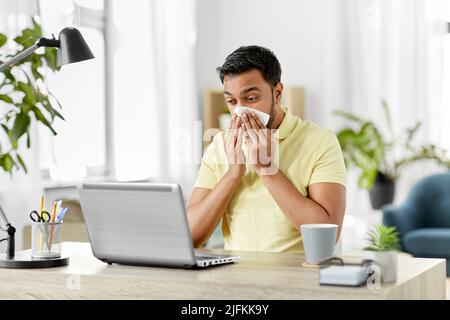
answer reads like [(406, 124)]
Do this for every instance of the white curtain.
[(14, 15), (377, 49), (155, 93)]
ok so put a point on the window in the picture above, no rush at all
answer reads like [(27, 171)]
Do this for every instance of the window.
[(79, 149)]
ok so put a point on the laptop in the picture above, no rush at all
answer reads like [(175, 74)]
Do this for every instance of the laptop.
[(141, 224)]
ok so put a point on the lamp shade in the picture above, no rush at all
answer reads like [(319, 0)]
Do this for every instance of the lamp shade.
[(72, 47)]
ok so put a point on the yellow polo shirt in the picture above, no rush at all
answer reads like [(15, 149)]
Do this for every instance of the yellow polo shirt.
[(253, 221)]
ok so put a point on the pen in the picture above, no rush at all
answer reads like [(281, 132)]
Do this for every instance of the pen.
[(41, 208), (54, 212), (51, 230), (58, 207)]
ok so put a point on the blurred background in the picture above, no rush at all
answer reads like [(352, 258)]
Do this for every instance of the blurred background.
[(138, 111)]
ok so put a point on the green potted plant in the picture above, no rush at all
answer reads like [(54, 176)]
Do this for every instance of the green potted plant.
[(383, 247), (24, 97), (380, 159)]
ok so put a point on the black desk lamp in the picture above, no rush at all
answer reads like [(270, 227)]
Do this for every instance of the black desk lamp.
[(71, 45), (71, 48)]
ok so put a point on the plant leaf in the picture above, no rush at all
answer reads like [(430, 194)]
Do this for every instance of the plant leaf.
[(56, 99), (411, 132), (19, 127), (5, 128), (364, 148), (36, 73), (383, 238), (28, 90), (12, 139), (40, 116), (6, 98), (27, 38), (348, 116), (53, 112), (9, 75), (36, 27), (387, 114), (28, 139), (3, 39), (50, 58), (8, 162), (22, 163), (36, 63)]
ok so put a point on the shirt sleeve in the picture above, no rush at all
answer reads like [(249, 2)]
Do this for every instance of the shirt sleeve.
[(330, 165), (207, 174)]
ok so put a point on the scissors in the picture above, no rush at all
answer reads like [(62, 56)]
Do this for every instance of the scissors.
[(36, 217)]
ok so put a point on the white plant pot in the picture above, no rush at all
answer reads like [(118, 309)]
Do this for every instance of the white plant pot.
[(387, 261)]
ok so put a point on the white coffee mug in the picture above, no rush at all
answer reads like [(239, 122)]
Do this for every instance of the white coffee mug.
[(319, 241)]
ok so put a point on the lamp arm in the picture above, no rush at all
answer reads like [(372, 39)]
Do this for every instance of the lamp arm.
[(43, 42), (25, 53), (5, 218), (10, 249)]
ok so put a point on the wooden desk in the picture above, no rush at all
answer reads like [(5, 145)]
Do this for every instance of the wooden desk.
[(257, 276)]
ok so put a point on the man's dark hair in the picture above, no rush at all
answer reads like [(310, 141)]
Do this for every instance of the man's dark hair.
[(247, 58)]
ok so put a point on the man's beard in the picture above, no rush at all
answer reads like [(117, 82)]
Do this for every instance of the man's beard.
[(272, 113)]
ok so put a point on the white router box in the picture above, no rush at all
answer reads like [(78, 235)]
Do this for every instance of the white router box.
[(343, 275)]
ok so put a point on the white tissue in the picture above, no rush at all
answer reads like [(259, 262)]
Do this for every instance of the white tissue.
[(264, 117)]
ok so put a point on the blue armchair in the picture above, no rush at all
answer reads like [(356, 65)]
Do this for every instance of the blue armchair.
[(423, 221)]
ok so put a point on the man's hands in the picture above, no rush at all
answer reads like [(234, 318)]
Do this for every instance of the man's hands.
[(259, 139), (261, 146), (233, 148)]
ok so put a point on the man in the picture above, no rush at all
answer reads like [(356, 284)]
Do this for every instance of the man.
[(262, 198)]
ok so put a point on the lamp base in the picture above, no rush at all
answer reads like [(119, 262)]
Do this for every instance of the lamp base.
[(23, 260)]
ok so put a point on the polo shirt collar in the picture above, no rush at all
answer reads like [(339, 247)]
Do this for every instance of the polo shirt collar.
[(286, 126)]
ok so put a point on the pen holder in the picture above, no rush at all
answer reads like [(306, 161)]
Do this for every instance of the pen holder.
[(46, 240)]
